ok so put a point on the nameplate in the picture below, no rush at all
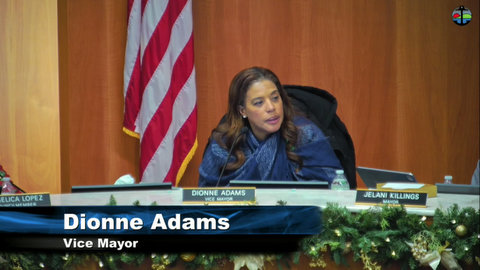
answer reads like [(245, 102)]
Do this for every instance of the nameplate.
[(25, 200), (379, 197), (218, 195)]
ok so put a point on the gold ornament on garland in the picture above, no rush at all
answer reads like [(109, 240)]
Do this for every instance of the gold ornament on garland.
[(427, 250), (368, 264), (318, 262), (461, 230), (157, 266), (348, 248), (188, 257), (164, 262)]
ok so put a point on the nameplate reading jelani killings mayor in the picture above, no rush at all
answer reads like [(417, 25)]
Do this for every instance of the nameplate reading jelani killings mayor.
[(218, 195), (25, 200), (378, 197)]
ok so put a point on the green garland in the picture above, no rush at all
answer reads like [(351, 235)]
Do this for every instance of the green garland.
[(378, 237)]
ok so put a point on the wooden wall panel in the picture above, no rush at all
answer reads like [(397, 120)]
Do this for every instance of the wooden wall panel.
[(438, 92), (29, 115), (407, 89), (369, 105), (92, 47), (405, 76)]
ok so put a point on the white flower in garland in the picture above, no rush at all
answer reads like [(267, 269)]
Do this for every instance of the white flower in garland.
[(252, 262)]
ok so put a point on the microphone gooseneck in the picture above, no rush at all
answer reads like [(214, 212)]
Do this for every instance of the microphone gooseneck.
[(242, 131)]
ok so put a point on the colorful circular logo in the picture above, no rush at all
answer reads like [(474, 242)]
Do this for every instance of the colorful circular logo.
[(461, 15)]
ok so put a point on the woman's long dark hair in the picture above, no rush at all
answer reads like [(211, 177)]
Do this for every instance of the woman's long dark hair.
[(230, 129)]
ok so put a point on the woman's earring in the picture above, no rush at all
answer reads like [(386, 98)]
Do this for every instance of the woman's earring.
[(244, 116)]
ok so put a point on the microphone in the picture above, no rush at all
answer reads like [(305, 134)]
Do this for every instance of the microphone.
[(242, 131)]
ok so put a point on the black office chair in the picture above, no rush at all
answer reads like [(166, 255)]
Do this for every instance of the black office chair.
[(321, 108)]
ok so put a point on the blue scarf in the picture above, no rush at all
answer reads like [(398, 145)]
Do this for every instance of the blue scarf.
[(267, 160)]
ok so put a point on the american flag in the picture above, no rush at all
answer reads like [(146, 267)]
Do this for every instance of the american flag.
[(159, 87)]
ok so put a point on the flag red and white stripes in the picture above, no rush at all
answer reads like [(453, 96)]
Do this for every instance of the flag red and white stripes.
[(159, 87)]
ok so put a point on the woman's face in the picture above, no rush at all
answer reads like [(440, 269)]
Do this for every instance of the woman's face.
[(263, 108)]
